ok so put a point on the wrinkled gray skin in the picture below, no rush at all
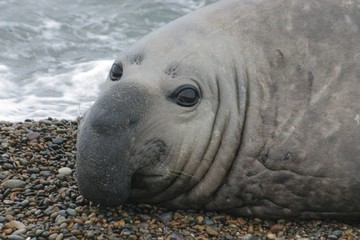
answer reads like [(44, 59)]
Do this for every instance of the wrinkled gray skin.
[(275, 133)]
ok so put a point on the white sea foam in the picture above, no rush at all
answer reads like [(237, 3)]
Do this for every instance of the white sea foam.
[(7, 87), (52, 55), (66, 95)]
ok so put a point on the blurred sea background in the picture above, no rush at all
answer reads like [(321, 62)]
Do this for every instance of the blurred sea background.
[(55, 55)]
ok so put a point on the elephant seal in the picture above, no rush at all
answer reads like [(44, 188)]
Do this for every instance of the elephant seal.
[(244, 106)]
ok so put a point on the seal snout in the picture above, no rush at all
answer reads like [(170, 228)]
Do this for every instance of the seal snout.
[(104, 160)]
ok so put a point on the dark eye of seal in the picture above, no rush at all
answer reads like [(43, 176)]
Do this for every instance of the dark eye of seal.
[(186, 96), (116, 71)]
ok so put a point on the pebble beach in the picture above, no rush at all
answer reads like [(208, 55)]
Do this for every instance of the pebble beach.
[(39, 199)]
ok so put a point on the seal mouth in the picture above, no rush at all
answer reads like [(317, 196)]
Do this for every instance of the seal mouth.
[(102, 186)]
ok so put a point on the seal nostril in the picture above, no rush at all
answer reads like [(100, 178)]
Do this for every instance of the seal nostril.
[(132, 122), (116, 71)]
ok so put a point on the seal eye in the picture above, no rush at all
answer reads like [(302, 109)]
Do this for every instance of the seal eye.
[(116, 71), (186, 96)]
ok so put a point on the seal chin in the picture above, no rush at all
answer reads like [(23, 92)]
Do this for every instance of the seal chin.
[(108, 194)]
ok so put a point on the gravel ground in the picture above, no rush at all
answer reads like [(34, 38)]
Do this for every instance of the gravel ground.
[(39, 199)]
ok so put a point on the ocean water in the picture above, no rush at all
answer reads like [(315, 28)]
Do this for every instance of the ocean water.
[(55, 55)]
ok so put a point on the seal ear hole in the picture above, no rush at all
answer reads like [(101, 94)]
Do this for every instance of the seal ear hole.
[(186, 95), (171, 71), (137, 59), (116, 71)]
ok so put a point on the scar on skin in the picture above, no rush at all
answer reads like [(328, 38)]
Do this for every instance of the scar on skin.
[(357, 119)]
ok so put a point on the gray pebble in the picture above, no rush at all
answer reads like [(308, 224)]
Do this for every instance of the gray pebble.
[(125, 232), (45, 173), (60, 237), (7, 129), (71, 212), (58, 140), (33, 135), (19, 232), (176, 236), (165, 217), (63, 225), (23, 162), (13, 183), (34, 170), (53, 236), (15, 237), (62, 213), (38, 232), (337, 233), (24, 203), (7, 166), (75, 226), (209, 222), (61, 220)]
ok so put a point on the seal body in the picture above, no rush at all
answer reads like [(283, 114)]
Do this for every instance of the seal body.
[(245, 106)]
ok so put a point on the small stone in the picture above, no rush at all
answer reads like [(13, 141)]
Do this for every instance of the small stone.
[(53, 236), (248, 237), (199, 219), (54, 146), (176, 236), (76, 232), (45, 173), (119, 223), (211, 231), (332, 237), (24, 203), (71, 212), (33, 135), (177, 216), (270, 235), (15, 237), (39, 232), (19, 232), (60, 220), (9, 218), (2, 219), (7, 129), (165, 217), (62, 212), (58, 140), (276, 228), (250, 229), (34, 170), (17, 224), (209, 222), (54, 215), (60, 236), (7, 166), (241, 221), (63, 225), (90, 234), (7, 231), (65, 171), (337, 233)]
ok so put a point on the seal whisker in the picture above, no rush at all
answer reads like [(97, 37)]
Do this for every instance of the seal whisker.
[(179, 173)]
